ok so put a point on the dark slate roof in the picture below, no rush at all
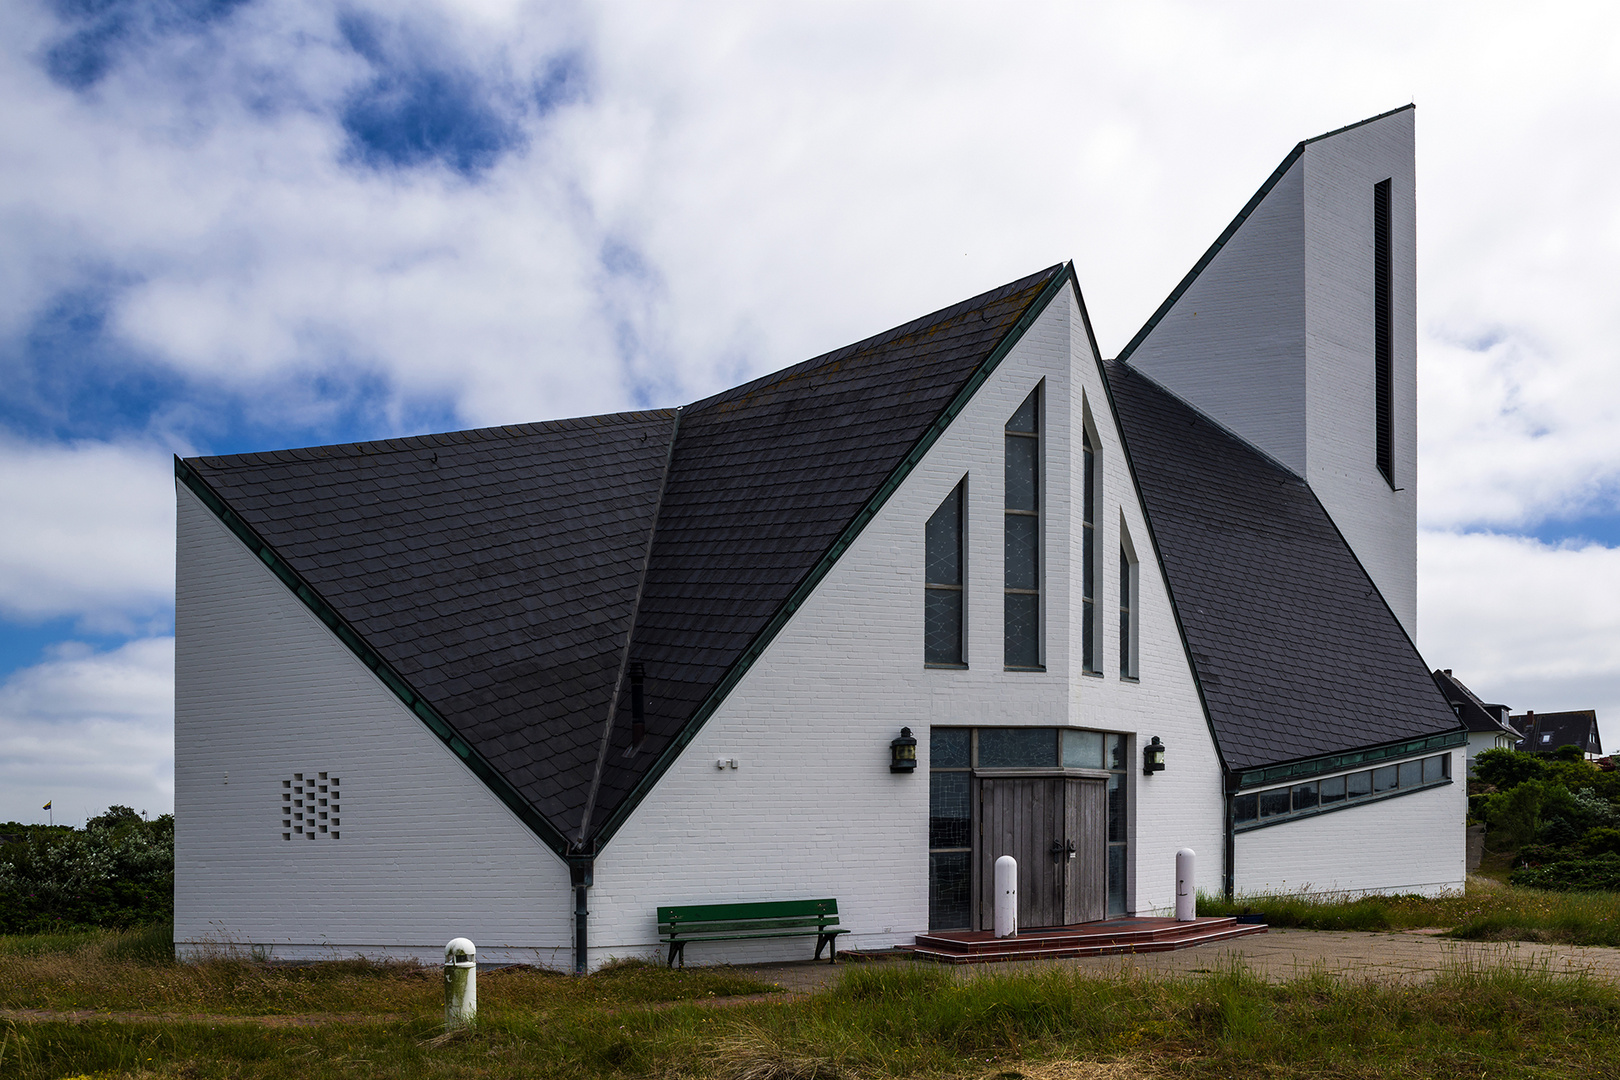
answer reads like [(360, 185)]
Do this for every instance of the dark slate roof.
[(1576, 728), (493, 569), (1295, 650), (1475, 714), (497, 570)]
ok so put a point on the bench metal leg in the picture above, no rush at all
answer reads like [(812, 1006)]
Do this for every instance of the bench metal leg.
[(677, 948), (827, 939)]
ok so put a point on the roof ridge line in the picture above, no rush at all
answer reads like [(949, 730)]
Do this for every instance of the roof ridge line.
[(629, 636), (407, 443), (883, 338)]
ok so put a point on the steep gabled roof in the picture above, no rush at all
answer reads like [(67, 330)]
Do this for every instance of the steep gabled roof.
[(1577, 727), (1474, 713), (491, 577), (1296, 652)]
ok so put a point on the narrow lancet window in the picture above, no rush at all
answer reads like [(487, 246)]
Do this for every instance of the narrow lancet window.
[(942, 593), (1383, 335), (1089, 660), (1022, 550), (1127, 614)]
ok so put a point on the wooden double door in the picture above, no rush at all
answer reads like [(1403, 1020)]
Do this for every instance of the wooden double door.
[(1057, 829)]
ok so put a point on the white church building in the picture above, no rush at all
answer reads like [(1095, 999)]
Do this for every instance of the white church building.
[(452, 685)]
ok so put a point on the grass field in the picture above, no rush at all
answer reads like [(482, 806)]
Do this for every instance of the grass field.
[(1488, 911), (143, 1015)]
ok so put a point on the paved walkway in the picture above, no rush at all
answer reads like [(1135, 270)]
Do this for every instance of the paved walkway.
[(1284, 954)]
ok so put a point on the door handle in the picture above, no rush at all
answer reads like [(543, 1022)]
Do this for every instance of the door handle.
[(1062, 849), (1071, 849)]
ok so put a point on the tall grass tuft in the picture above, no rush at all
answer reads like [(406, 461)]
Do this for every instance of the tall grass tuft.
[(1495, 913)]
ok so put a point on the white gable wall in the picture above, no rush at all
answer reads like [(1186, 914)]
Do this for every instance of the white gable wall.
[(262, 691), (812, 809)]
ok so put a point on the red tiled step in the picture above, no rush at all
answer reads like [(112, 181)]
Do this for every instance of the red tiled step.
[(1087, 939)]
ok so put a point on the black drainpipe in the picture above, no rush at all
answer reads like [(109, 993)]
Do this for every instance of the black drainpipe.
[(579, 873), (1229, 870)]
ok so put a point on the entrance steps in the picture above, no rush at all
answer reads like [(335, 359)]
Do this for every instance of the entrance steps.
[(1085, 939)]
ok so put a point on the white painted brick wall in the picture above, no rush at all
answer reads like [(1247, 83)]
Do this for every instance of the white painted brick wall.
[(1379, 523), (1408, 844), (262, 691)]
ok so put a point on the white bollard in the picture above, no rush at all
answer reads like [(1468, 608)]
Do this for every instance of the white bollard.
[(460, 983), (1186, 891), (1006, 897)]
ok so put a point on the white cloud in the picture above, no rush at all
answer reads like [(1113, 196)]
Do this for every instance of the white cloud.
[(89, 533), (85, 730), (1527, 624)]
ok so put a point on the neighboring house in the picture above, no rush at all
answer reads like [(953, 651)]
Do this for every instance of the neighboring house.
[(1488, 727), (528, 683), (1551, 730)]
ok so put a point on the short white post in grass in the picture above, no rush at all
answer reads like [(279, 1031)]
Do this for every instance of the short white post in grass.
[(1006, 897), (460, 983), (1186, 891)]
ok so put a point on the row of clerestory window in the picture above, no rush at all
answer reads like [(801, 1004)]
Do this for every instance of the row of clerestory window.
[(944, 604)]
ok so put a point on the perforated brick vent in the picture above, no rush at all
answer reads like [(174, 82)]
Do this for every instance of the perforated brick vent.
[(310, 807)]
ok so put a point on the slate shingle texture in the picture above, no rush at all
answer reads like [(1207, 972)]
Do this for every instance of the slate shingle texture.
[(1296, 651)]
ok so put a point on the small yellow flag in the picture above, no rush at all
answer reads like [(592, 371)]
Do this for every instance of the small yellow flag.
[(47, 806)]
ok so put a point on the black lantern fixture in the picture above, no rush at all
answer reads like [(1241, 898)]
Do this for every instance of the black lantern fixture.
[(1153, 757), (903, 753)]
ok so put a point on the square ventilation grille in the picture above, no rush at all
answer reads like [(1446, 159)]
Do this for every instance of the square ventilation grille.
[(311, 807)]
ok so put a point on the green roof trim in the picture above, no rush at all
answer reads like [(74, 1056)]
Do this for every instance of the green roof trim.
[(1318, 766), (355, 643), (856, 526)]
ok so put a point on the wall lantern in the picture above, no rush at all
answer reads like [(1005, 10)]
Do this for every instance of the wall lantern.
[(903, 753), (1153, 757)]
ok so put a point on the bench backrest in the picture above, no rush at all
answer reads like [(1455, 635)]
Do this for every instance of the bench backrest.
[(763, 915)]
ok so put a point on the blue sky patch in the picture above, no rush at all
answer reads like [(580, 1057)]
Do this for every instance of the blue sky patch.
[(1601, 528), (419, 109), (99, 32), (24, 644)]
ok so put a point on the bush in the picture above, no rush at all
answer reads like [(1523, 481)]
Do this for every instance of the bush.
[(1601, 873), (118, 871)]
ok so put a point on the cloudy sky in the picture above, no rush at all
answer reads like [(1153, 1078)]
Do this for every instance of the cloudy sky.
[(245, 224)]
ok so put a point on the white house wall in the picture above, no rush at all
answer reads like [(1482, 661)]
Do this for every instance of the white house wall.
[(262, 691), (1408, 844), (812, 810)]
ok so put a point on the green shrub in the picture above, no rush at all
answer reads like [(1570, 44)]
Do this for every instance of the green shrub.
[(118, 871), (1601, 873)]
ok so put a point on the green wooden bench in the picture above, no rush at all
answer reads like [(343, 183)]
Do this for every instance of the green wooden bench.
[(738, 922)]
